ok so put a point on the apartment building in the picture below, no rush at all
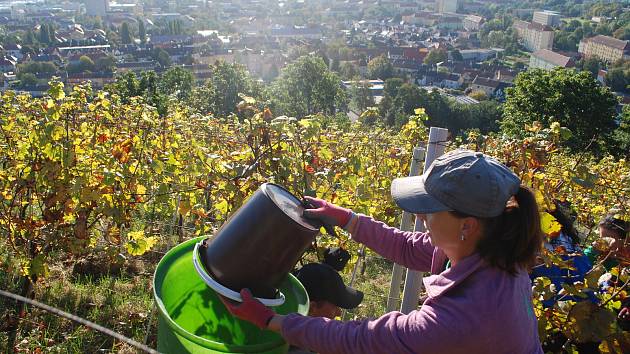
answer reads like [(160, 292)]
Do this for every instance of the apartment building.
[(472, 22), (548, 60), (547, 18), (534, 36), (446, 6), (605, 48)]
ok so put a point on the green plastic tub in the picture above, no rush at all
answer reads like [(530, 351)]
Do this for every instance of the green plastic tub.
[(192, 319)]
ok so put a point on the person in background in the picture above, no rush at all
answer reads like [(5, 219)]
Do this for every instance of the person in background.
[(482, 223), (566, 245), (617, 252)]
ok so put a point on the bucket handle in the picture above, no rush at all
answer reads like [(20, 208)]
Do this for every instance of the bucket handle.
[(227, 292)]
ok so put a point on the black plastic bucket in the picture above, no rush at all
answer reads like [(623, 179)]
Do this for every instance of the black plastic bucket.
[(260, 243)]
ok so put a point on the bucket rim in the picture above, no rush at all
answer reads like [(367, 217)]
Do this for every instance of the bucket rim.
[(224, 290), (207, 343), (312, 224)]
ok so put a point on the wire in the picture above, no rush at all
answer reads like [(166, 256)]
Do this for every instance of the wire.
[(80, 320)]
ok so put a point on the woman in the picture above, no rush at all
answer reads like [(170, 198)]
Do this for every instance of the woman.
[(618, 252), (483, 231)]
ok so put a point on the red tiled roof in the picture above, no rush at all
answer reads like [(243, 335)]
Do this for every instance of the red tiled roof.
[(482, 81)]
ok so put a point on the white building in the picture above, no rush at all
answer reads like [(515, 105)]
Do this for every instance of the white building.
[(547, 18), (96, 7), (534, 36), (446, 6), (472, 22), (480, 54), (548, 60)]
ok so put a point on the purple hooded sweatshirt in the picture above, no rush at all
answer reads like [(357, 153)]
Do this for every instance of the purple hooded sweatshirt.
[(471, 307)]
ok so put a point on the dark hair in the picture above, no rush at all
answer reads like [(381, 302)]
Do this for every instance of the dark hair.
[(618, 226), (562, 213), (513, 239)]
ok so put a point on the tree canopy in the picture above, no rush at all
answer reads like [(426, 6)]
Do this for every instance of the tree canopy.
[(573, 99), (380, 68), (306, 86)]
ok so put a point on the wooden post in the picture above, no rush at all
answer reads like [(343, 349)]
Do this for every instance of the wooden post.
[(413, 281), (405, 225)]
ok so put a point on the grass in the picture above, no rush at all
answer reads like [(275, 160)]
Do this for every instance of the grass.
[(122, 303), (374, 282)]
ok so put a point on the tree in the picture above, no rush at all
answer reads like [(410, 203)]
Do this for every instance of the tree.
[(618, 79), (272, 73), (28, 79), (386, 107), (86, 63), (334, 66), (30, 37), (107, 64), (347, 70), (306, 86), (37, 67), (360, 95), (620, 137), (591, 65), (51, 33), (380, 68), (483, 117), (622, 33), (44, 36), (178, 82), (126, 86), (478, 95), (436, 56), (573, 99), (457, 55), (227, 82), (162, 57), (125, 34), (142, 33)]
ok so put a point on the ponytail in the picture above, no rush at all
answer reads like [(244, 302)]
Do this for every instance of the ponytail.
[(513, 239)]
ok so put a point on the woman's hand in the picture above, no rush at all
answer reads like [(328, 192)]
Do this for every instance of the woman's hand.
[(624, 314), (250, 309), (327, 213)]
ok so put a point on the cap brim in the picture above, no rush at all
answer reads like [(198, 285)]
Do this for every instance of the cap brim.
[(410, 195), (349, 299)]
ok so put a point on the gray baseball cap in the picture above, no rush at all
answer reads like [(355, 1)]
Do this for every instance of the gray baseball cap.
[(462, 180)]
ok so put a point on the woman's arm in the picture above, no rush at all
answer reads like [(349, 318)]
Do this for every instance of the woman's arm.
[(394, 332), (410, 249)]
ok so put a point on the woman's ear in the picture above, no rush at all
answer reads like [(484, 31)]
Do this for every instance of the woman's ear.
[(471, 226)]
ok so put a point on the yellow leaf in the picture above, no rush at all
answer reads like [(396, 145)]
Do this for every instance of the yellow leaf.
[(138, 244), (140, 189), (222, 207), (549, 224), (184, 207)]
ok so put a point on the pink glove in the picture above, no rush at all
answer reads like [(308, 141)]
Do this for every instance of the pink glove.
[(327, 213), (250, 310)]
